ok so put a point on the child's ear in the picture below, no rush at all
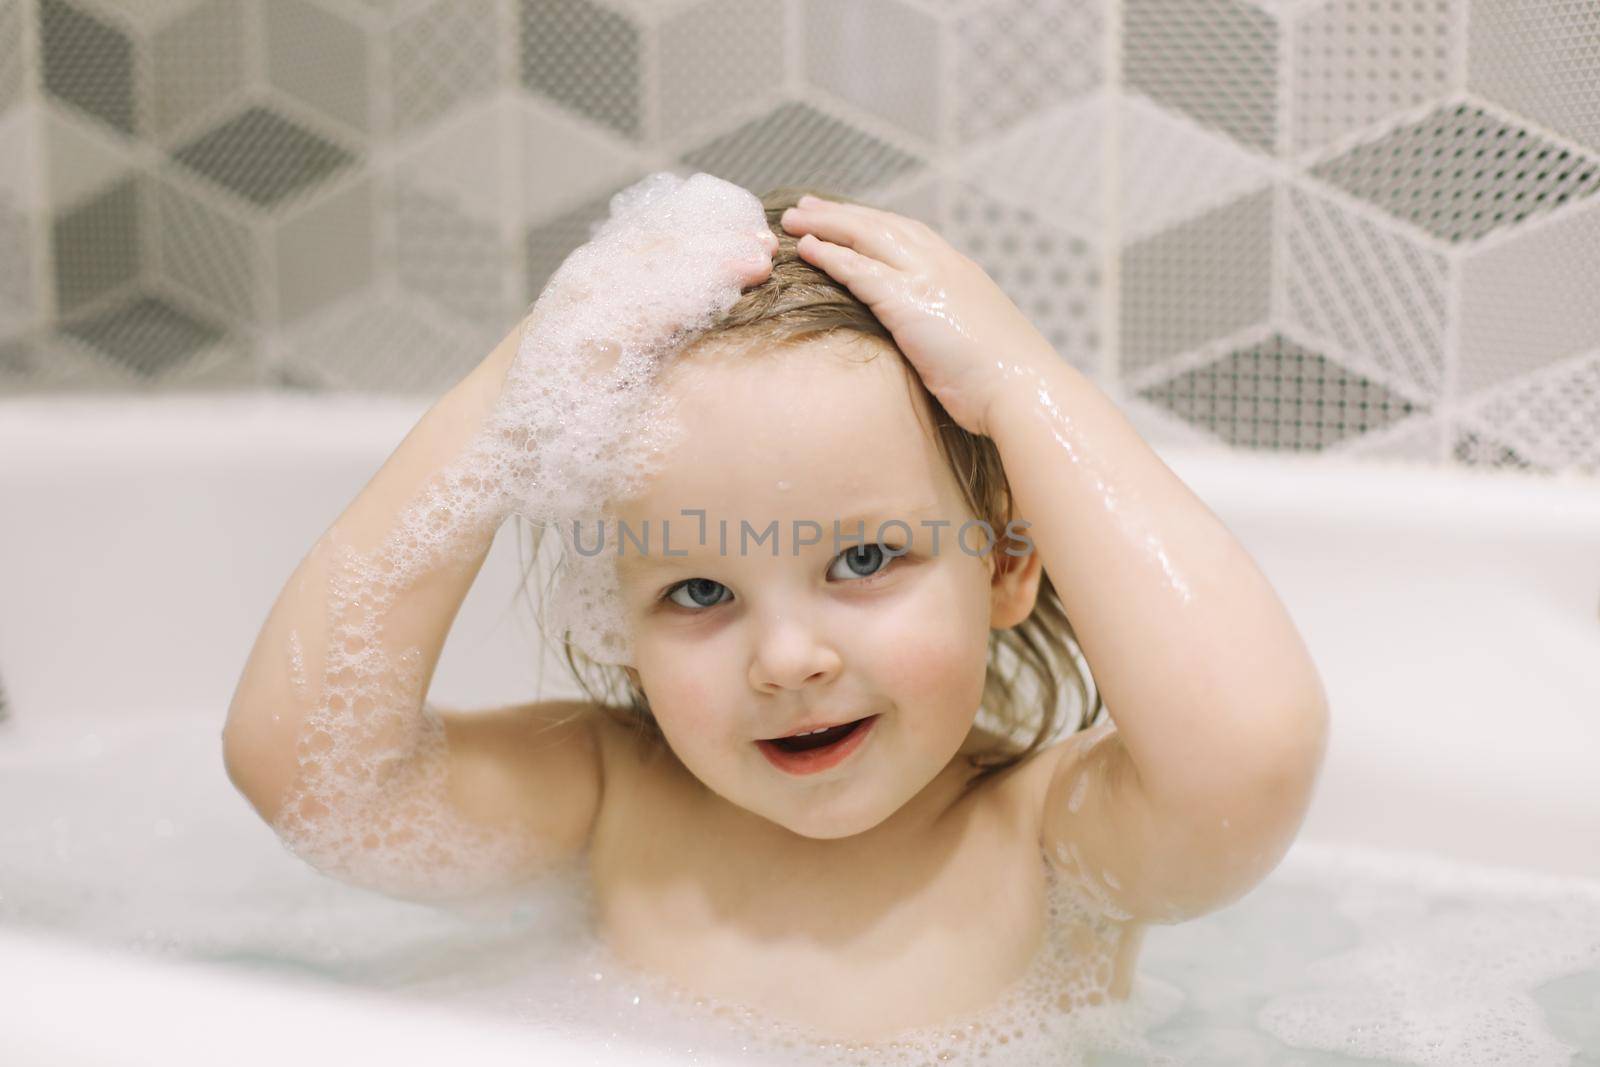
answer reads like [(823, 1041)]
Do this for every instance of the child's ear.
[(1014, 582)]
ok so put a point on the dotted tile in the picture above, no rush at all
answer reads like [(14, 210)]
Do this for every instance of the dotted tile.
[(795, 144), (585, 58), (1461, 173), (1216, 60), (98, 245), (1278, 395), (1203, 279), (263, 157), (146, 334), (88, 63)]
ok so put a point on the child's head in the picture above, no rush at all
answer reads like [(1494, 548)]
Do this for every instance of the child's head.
[(798, 409)]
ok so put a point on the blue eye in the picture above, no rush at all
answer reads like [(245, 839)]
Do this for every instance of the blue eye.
[(702, 592), (861, 563)]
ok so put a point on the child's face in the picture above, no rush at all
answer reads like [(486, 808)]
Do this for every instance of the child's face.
[(766, 645)]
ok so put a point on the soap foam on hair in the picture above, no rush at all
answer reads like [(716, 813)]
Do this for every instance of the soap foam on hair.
[(579, 422)]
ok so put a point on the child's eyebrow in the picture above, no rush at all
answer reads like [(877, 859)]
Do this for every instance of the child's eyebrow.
[(869, 523)]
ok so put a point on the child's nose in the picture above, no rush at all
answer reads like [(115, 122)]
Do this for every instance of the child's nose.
[(790, 653)]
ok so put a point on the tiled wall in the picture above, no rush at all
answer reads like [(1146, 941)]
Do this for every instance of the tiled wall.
[(1358, 225)]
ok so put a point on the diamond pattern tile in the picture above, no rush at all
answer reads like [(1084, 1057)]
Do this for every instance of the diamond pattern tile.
[(88, 63), (1041, 160), (380, 345), (1053, 276), (1551, 416), (16, 265), (1461, 173), (198, 60), (715, 58), (795, 144), (1405, 54), (320, 59), (11, 73), (146, 334), (326, 252), (210, 253), (1279, 395), (1529, 301), (1474, 448), (1013, 58), (1199, 281), (1172, 169), (97, 246), (1373, 292), (446, 256), (1216, 60), (1539, 59), (879, 58), (586, 58), (1404, 188), (263, 157), (441, 56)]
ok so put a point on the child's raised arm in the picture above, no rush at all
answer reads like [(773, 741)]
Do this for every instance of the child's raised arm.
[(1220, 715), (329, 735)]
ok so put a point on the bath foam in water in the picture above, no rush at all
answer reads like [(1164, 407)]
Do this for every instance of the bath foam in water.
[(578, 423)]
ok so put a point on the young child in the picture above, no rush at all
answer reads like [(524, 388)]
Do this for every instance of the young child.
[(872, 377)]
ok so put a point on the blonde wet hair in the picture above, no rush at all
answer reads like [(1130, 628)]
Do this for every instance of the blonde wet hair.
[(1030, 665)]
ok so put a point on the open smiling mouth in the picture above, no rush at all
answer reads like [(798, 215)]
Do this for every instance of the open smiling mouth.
[(819, 751)]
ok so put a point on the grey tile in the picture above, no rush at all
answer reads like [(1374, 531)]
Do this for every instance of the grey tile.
[(795, 144), (1051, 275), (900, 83), (585, 58), (197, 61), (263, 157), (320, 59), (98, 245), (447, 256), (443, 55), (1539, 58), (10, 53), (1366, 288), (208, 252), (16, 262), (715, 57), (1199, 281), (1355, 65), (548, 244), (1461, 173), (1216, 60), (1014, 58), (1278, 395), (146, 334), (88, 63), (1473, 448)]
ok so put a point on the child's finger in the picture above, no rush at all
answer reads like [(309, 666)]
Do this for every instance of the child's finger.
[(868, 279), (878, 236)]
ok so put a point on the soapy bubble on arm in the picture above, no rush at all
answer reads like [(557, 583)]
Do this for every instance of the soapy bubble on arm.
[(576, 424)]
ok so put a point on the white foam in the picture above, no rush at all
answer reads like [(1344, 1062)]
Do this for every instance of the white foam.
[(578, 423)]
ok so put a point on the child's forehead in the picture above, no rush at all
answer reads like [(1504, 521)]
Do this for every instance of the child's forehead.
[(797, 426)]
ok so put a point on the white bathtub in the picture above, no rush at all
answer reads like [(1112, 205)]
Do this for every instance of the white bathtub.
[(1455, 616)]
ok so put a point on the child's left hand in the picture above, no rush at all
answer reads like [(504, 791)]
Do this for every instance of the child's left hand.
[(965, 337)]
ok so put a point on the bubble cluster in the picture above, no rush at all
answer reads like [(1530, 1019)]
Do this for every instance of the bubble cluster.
[(1057, 1013), (578, 423)]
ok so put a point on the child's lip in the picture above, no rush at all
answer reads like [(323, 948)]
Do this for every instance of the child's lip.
[(822, 724), (801, 764)]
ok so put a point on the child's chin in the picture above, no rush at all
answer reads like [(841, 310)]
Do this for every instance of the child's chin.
[(833, 826)]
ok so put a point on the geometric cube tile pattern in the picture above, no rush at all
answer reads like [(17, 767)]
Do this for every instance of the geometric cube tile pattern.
[(1287, 224), (1279, 395)]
